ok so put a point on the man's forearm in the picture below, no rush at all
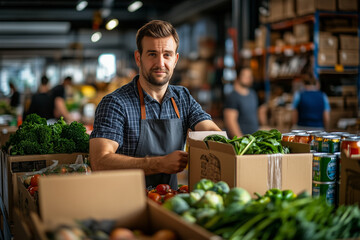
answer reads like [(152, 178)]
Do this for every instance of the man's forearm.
[(112, 161)]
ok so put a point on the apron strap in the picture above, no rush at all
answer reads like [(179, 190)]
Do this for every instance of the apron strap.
[(142, 103), (175, 107)]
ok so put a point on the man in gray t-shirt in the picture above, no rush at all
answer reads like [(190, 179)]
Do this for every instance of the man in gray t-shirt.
[(241, 106)]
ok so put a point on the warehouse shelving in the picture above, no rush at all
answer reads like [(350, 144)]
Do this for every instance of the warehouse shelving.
[(311, 46), (334, 79)]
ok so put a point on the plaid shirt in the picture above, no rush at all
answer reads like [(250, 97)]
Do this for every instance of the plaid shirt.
[(117, 116)]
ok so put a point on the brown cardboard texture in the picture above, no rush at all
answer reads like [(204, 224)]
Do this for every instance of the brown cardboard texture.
[(349, 42), (14, 166), (347, 5), (309, 6), (118, 195), (327, 57), (327, 41), (350, 180), (349, 57), (21, 228), (26, 203), (255, 173)]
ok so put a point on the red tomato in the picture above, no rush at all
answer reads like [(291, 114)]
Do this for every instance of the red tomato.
[(183, 189), (32, 190), (162, 189), (172, 191), (155, 197), (34, 182), (168, 196)]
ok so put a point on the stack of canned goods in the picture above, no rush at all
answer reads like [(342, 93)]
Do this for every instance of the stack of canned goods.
[(326, 159)]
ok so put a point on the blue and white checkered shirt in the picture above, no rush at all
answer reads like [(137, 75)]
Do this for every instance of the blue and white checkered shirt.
[(117, 116)]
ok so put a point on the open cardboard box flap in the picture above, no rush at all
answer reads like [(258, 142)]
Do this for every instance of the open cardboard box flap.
[(101, 195), (118, 195), (200, 135)]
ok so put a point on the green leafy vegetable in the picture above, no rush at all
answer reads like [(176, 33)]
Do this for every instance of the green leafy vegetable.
[(34, 136), (260, 142)]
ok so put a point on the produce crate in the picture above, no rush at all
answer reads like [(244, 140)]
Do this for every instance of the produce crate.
[(21, 228), (255, 173), (106, 195), (5, 132), (26, 203), (14, 166)]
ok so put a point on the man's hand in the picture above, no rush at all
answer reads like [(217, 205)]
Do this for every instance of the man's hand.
[(174, 162)]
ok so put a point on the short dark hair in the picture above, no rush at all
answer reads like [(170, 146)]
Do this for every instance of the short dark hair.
[(239, 69), (309, 80), (156, 29), (68, 78), (44, 80)]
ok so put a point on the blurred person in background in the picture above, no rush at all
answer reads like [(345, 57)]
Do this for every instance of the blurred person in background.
[(241, 106), (311, 108), (41, 101), (14, 96), (58, 96)]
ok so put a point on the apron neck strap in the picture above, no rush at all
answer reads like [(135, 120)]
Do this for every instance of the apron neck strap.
[(175, 107), (142, 103)]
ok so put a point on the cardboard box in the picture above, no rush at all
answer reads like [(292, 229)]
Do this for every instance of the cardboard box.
[(21, 228), (14, 166), (276, 10), (350, 180), (26, 203), (64, 199), (289, 38), (304, 7), (347, 5), (349, 42), (327, 41), (260, 37), (301, 33), (5, 132), (349, 57), (197, 74), (327, 57), (289, 8), (255, 173)]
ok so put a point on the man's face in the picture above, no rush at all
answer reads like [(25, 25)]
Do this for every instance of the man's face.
[(246, 78), (158, 59)]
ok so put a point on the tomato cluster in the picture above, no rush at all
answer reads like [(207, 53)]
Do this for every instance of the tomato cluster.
[(162, 192), (34, 184)]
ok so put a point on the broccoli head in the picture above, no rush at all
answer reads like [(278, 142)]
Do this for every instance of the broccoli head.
[(77, 132), (63, 145), (34, 119), (34, 136)]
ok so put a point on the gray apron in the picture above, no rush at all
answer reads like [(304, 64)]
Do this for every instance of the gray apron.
[(159, 137)]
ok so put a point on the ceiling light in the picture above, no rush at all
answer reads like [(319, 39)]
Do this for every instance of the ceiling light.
[(81, 5), (112, 24), (96, 37), (135, 6)]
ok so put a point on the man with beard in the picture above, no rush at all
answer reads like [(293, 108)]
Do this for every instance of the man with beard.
[(143, 124), (241, 106)]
